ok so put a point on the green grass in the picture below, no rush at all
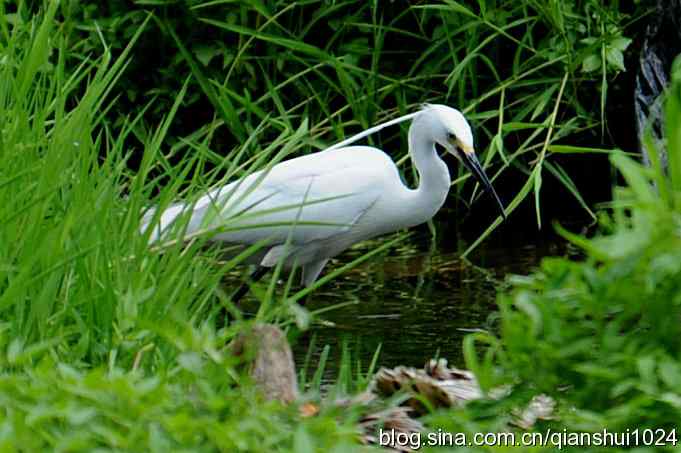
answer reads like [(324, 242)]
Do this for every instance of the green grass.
[(107, 343), (57, 408), (525, 73), (76, 274), (599, 335)]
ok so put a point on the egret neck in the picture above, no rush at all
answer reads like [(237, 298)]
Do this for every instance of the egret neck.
[(434, 179)]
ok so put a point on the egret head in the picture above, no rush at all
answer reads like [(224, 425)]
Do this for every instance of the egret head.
[(449, 129)]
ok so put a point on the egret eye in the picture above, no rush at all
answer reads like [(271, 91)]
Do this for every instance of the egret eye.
[(451, 136)]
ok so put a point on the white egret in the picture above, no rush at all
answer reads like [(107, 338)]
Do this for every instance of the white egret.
[(311, 208)]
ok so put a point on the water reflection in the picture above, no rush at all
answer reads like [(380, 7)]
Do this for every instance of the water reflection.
[(417, 302)]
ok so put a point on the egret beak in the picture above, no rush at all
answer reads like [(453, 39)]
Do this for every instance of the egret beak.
[(471, 162)]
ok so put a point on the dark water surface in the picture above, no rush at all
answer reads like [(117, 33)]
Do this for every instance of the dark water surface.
[(418, 301)]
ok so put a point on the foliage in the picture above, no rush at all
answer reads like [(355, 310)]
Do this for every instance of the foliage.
[(77, 277), (106, 343), (74, 270), (525, 72), (59, 408), (601, 335)]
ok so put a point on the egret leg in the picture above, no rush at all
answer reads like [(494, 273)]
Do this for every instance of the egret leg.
[(245, 286), (304, 301), (257, 274)]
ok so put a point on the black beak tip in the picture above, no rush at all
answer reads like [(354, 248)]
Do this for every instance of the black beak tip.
[(501, 207), (498, 200), (474, 166)]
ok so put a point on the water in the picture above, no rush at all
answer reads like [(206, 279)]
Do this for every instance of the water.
[(418, 301)]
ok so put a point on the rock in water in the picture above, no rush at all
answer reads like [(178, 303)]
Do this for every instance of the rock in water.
[(266, 349)]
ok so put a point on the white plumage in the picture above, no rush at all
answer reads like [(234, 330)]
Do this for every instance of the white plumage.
[(313, 207)]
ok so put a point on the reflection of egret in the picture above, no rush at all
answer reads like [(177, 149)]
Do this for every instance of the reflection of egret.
[(311, 208)]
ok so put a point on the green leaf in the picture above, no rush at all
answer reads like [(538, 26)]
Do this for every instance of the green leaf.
[(301, 316), (292, 44), (670, 373), (615, 58), (591, 63), (636, 176), (563, 176), (571, 149), (206, 53), (450, 7), (537, 189), (302, 442), (620, 43), (672, 129), (223, 105), (40, 49)]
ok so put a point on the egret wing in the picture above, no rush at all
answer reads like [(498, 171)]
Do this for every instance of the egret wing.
[(309, 198), (304, 209)]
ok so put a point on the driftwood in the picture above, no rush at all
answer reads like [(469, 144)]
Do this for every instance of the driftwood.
[(436, 383), (541, 407), (270, 361), (442, 387), (393, 419)]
